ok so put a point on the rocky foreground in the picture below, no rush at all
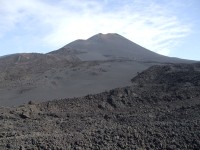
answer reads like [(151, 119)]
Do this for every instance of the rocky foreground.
[(161, 110)]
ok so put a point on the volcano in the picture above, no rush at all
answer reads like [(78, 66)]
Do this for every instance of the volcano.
[(100, 63)]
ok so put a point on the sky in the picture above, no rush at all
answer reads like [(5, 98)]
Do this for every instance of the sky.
[(168, 27)]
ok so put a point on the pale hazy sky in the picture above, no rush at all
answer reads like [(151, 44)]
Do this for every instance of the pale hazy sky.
[(168, 27)]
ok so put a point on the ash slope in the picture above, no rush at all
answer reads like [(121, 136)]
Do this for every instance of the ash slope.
[(103, 62), (161, 110)]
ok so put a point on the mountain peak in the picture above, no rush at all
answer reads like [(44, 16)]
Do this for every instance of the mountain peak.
[(101, 36)]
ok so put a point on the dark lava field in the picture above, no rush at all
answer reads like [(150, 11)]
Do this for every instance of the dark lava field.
[(160, 110)]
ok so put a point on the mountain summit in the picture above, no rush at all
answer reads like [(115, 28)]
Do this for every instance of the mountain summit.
[(102, 37)]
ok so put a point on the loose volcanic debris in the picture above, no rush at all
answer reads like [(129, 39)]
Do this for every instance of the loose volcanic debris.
[(161, 110)]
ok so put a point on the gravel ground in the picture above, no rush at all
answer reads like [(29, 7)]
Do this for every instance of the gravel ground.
[(160, 110)]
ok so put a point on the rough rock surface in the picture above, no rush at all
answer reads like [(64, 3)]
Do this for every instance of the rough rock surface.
[(161, 110)]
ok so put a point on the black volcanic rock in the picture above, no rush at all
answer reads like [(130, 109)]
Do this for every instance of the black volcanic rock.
[(154, 114), (181, 73)]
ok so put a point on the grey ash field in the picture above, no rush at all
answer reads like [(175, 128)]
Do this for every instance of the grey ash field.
[(144, 101)]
